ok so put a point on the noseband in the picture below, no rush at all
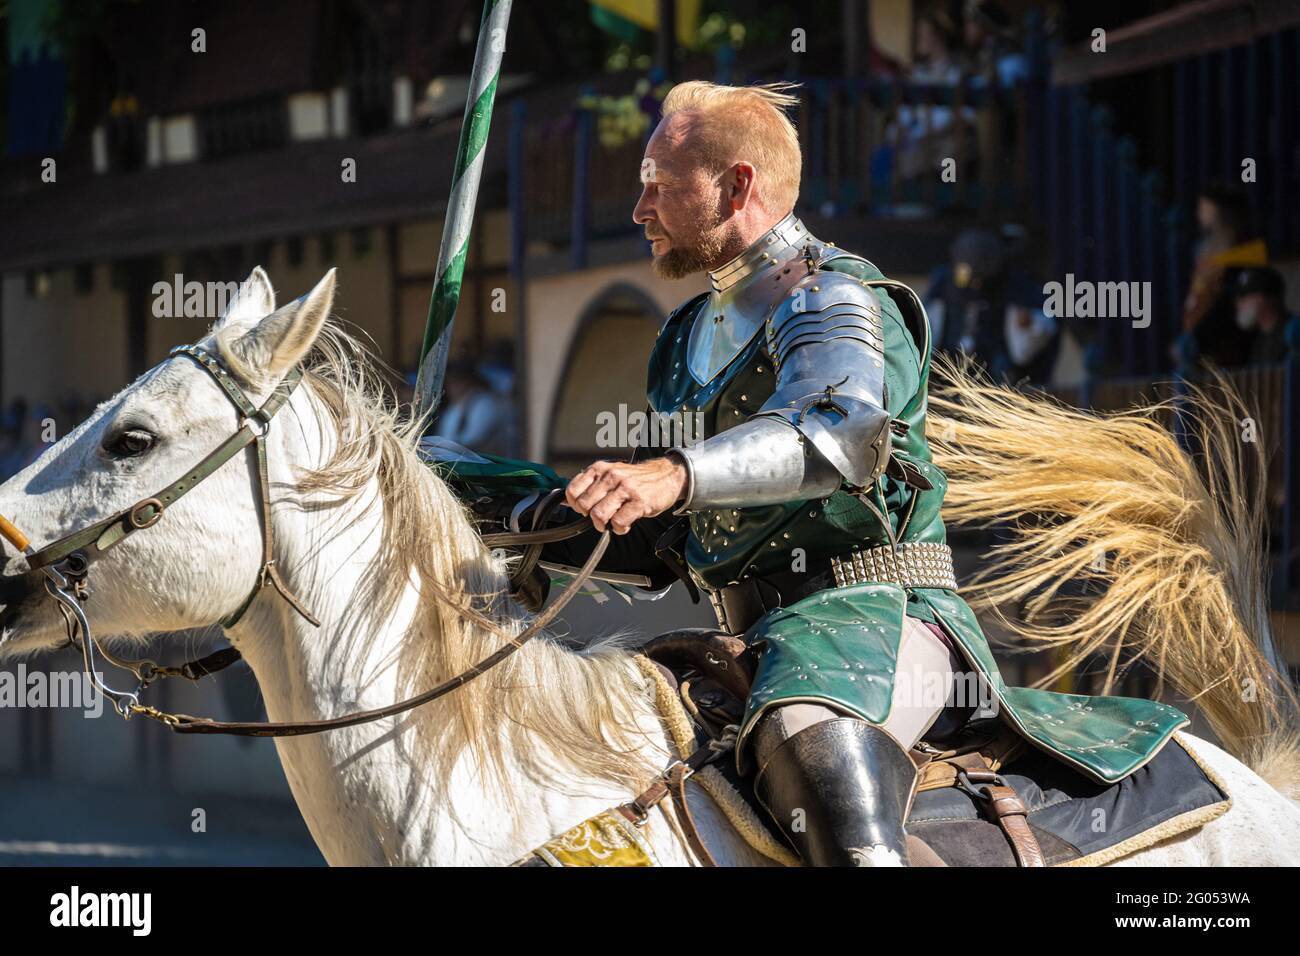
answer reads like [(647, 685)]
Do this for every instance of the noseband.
[(66, 565)]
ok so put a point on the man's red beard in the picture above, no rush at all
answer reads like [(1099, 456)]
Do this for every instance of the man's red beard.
[(705, 249)]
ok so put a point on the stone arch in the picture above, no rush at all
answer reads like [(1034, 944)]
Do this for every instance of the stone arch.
[(605, 366)]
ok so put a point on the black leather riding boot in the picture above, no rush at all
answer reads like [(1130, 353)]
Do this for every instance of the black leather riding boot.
[(840, 790)]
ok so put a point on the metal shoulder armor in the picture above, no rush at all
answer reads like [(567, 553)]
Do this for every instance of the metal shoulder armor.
[(827, 349)]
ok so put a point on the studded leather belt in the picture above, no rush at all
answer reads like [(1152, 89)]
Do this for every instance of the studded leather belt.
[(915, 564)]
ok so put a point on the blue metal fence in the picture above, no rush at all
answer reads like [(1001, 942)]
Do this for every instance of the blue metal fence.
[(1105, 218)]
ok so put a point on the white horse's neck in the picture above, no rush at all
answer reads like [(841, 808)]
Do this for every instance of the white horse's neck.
[(367, 793)]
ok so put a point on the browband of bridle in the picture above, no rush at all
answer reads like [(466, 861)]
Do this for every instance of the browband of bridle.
[(66, 564), (86, 546)]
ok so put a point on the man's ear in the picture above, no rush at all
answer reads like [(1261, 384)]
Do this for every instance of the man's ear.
[(280, 340), (740, 184), (255, 299)]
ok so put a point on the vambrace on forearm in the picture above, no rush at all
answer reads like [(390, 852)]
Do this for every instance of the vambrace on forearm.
[(763, 461)]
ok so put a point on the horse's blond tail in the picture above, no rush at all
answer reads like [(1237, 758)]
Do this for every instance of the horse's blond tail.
[(1171, 546)]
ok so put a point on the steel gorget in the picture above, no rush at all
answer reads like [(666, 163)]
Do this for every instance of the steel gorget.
[(744, 293)]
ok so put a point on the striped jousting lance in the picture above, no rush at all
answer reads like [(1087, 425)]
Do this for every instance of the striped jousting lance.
[(460, 206)]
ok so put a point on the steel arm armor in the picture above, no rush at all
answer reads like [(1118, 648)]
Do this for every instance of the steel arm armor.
[(759, 462), (827, 349)]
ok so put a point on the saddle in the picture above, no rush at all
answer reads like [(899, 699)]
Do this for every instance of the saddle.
[(984, 796)]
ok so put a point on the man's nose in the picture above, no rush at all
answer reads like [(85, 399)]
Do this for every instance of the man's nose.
[(642, 210)]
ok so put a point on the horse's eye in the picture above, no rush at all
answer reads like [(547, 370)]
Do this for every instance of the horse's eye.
[(130, 444)]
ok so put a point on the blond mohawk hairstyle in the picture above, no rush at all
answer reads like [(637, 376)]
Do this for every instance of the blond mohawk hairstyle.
[(747, 123)]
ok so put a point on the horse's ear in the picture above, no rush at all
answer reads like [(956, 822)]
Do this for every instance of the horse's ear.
[(281, 339), (254, 300)]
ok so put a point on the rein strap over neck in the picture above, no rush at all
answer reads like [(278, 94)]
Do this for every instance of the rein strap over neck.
[(185, 724)]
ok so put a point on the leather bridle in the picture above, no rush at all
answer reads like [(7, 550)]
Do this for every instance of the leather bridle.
[(66, 564)]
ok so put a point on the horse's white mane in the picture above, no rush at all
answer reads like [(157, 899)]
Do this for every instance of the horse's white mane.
[(543, 705)]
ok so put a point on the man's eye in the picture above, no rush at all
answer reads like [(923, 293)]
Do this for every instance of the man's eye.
[(130, 444)]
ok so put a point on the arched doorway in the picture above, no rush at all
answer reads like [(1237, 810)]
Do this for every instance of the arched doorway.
[(605, 369)]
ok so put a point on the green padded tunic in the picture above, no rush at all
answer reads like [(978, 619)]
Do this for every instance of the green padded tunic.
[(839, 646)]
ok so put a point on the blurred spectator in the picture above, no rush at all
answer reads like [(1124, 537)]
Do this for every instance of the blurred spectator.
[(1259, 300), (474, 415), (125, 131), (936, 51), (1224, 249), (499, 367), (926, 134), (988, 49), (981, 306)]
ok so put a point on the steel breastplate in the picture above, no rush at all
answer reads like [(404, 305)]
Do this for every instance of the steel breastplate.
[(745, 291)]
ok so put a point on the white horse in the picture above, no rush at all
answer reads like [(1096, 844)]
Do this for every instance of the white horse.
[(379, 549)]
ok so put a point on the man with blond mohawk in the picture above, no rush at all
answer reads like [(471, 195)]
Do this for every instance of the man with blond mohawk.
[(812, 504)]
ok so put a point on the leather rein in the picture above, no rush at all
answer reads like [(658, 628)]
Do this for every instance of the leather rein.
[(66, 565)]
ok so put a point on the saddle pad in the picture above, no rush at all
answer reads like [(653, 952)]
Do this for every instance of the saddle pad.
[(1077, 821)]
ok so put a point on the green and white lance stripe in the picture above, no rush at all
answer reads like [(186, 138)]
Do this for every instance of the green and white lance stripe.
[(460, 205)]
